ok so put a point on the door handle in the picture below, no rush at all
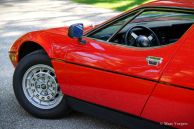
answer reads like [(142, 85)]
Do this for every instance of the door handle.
[(154, 61)]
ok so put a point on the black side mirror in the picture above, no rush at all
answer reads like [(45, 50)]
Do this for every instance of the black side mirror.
[(76, 30)]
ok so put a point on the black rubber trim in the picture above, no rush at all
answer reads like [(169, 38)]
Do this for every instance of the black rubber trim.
[(175, 85), (124, 119), (105, 70)]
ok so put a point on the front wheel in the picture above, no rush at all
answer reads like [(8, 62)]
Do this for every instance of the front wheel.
[(36, 87)]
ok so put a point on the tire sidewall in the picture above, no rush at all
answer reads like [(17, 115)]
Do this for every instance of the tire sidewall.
[(28, 61)]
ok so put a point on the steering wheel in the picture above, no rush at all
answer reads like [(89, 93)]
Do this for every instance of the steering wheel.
[(132, 39)]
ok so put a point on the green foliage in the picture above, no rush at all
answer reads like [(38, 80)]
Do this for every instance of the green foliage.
[(119, 5)]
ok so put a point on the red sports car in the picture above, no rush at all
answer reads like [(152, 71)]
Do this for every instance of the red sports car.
[(136, 68)]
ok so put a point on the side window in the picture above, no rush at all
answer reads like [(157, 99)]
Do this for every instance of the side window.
[(155, 28), (108, 31)]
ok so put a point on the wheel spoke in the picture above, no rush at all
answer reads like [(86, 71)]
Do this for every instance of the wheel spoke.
[(134, 35), (40, 87), (150, 37)]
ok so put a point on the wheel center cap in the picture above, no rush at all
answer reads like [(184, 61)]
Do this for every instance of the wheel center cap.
[(43, 86)]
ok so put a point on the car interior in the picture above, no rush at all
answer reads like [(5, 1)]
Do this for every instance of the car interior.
[(149, 29), (167, 32)]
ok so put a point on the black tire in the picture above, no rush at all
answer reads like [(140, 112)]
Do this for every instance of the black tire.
[(34, 58)]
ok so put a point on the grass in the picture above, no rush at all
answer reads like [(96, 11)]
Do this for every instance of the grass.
[(119, 5)]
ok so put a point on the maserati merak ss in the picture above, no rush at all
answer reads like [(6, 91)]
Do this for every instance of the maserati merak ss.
[(136, 69)]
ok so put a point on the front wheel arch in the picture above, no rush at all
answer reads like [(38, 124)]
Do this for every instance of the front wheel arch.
[(29, 47)]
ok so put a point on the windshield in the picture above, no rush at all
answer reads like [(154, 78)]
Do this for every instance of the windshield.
[(151, 16)]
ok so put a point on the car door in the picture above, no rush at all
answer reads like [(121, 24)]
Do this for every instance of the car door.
[(116, 76), (176, 95)]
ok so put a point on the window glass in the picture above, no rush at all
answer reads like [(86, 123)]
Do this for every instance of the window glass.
[(107, 32), (168, 26), (151, 16), (160, 19)]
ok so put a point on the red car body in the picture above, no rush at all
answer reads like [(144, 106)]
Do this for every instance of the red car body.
[(118, 77)]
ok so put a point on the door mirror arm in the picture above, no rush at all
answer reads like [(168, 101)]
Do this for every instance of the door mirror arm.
[(82, 41)]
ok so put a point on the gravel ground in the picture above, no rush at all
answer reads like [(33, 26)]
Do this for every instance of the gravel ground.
[(20, 16)]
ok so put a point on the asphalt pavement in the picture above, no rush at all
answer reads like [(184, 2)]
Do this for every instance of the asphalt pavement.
[(18, 17)]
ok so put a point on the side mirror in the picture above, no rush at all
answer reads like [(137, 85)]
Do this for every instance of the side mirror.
[(76, 31)]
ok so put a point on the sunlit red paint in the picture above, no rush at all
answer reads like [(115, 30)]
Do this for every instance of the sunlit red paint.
[(119, 77)]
